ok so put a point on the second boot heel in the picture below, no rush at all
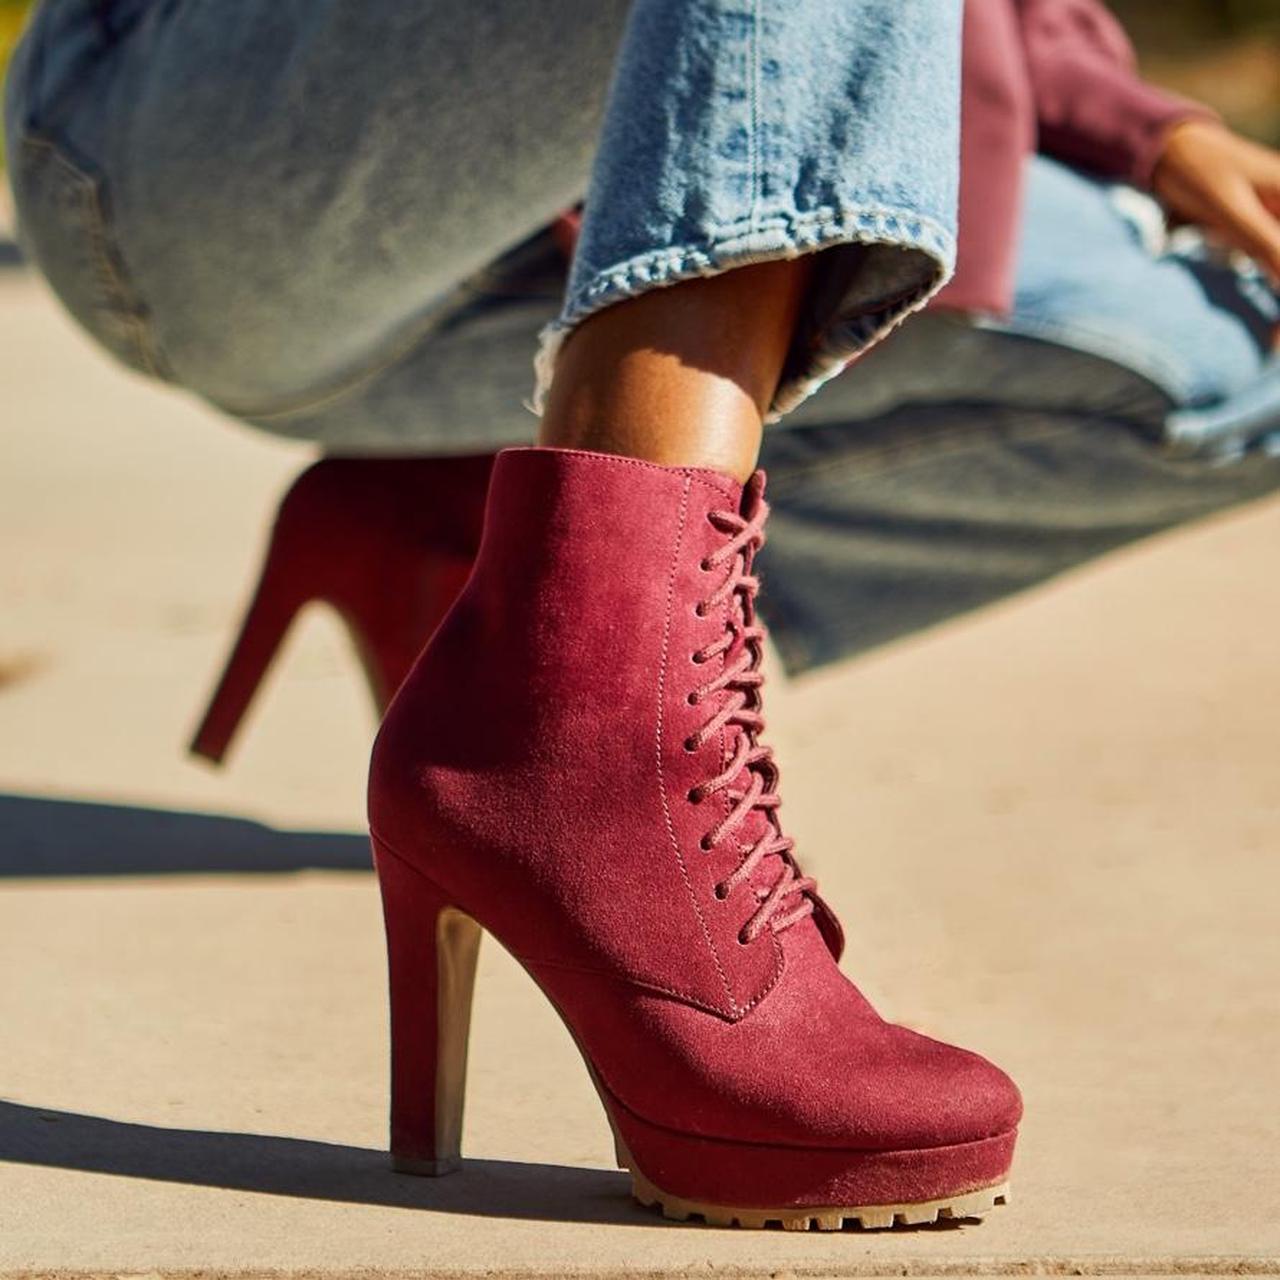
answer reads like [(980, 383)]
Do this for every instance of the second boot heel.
[(276, 603), (431, 960), (386, 542)]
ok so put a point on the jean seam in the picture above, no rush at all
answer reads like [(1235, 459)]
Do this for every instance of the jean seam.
[(125, 307), (891, 225), (660, 753), (756, 189)]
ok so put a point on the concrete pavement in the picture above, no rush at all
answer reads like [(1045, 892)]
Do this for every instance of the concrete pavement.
[(1052, 831)]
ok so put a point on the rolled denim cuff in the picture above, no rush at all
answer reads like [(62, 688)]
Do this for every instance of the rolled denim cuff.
[(757, 133), (908, 259)]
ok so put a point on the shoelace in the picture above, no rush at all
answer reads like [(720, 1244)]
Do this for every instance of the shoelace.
[(742, 679)]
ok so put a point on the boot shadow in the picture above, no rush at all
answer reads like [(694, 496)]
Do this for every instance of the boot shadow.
[(305, 1169), (54, 837)]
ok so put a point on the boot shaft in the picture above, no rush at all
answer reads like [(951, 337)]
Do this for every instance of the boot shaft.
[(549, 735)]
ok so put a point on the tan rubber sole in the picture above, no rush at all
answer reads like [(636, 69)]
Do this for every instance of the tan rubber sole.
[(970, 1204), (973, 1204)]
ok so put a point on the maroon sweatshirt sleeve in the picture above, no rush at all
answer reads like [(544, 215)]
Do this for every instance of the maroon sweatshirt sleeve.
[(1093, 109)]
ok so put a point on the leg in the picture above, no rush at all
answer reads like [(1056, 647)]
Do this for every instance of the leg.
[(291, 235), (786, 148), (683, 375)]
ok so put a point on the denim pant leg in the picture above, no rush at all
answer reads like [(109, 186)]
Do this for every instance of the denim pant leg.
[(296, 192), (883, 527), (958, 463), (294, 198), (1095, 274), (763, 131)]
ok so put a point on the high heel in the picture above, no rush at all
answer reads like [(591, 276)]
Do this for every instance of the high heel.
[(575, 765), (275, 604), (431, 963), (387, 542)]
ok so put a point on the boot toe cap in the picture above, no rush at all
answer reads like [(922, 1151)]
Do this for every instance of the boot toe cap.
[(931, 1094)]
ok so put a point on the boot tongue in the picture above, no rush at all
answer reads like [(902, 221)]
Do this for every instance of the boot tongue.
[(752, 495)]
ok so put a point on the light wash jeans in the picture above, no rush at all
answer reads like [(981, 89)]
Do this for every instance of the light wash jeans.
[(238, 252), (1132, 389), (280, 204)]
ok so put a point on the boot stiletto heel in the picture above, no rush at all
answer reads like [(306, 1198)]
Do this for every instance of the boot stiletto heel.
[(431, 965), (386, 542), (275, 604)]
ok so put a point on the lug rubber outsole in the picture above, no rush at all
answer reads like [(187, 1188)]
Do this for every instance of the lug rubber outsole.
[(972, 1204)]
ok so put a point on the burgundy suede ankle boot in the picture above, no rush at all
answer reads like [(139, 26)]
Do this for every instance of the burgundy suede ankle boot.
[(575, 765)]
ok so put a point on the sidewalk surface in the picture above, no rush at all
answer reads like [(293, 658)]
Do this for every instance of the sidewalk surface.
[(1053, 832)]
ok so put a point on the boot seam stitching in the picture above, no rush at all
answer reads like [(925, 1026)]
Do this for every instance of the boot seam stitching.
[(662, 785), (721, 485)]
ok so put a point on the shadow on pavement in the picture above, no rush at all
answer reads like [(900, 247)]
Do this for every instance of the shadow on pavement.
[(328, 1171), (310, 1170), (43, 836)]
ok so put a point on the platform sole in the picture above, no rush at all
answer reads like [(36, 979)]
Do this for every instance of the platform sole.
[(972, 1205), (691, 1178)]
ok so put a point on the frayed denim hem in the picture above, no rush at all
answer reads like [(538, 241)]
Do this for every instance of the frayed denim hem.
[(927, 260)]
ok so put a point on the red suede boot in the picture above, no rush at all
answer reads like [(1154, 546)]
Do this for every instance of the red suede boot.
[(575, 765), (387, 542)]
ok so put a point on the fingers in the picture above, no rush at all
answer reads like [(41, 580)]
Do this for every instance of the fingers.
[(1265, 176), (1249, 225)]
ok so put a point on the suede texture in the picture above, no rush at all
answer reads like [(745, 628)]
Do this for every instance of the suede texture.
[(545, 765)]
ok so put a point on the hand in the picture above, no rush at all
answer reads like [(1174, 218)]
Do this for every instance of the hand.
[(1225, 184)]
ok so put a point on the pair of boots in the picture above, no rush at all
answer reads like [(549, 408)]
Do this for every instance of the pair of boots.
[(575, 764)]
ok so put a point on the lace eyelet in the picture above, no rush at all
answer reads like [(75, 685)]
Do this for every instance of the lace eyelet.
[(691, 745), (721, 892), (705, 844), (744, 942), (697, 659), (692, 698), (705, 565), (699, 610), (694, 796)]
